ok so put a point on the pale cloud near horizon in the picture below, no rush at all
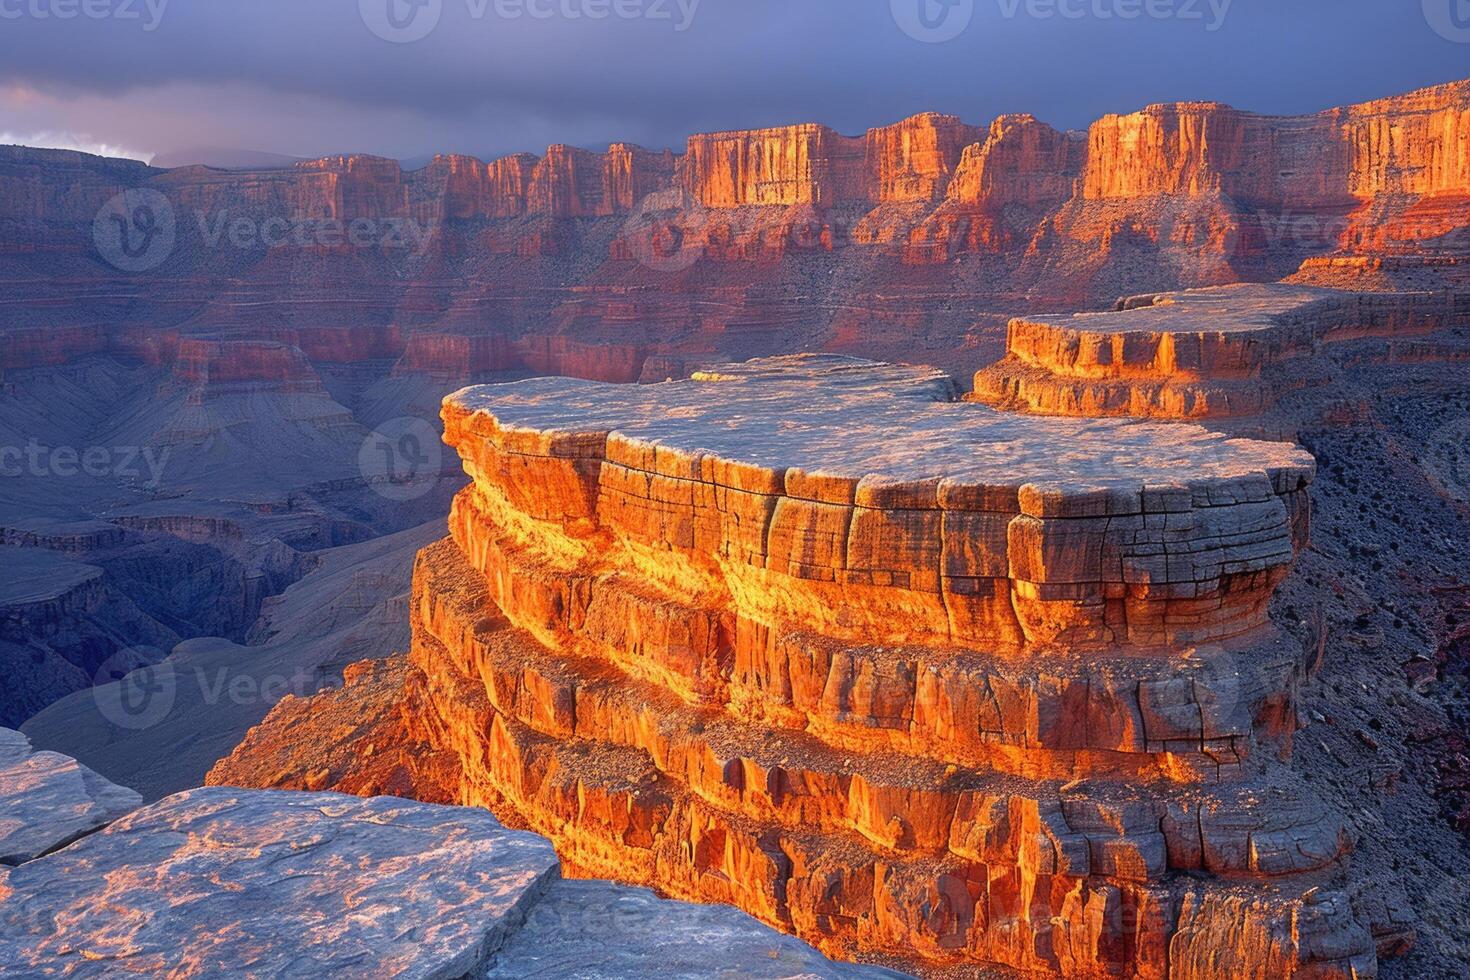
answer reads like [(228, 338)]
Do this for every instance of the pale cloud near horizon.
[(71, 141)]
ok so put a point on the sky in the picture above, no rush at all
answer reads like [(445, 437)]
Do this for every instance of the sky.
[(409, 78)]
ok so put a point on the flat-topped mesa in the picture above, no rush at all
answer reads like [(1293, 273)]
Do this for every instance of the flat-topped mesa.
[(914, 160), (1022, 161), (61, 185), (911, 161), (1391, 173), (567, 182), (574, 183), (1186, 149), (1001, 188), (1204, 353), (789, 165), (471, 188), (797, 486), (901, 674)]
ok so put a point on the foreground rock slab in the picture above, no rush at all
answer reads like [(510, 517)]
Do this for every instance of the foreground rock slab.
[(224, 882), (592, 930), (48, 800)]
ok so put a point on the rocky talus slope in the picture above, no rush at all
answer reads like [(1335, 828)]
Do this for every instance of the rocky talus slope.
[(913, 679), (220, 882)]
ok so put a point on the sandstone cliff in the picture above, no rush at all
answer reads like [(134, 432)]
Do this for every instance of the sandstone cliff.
[(898, 696), (926, 235)]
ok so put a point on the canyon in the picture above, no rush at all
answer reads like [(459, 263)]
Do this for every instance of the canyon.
[(1049, 655)]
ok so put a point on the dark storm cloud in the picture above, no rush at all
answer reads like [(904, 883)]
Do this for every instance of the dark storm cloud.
[(310, 76)]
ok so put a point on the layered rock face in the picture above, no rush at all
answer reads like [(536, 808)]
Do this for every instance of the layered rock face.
[(910, 161), (905, 676), (927, 235), (1211, 353)]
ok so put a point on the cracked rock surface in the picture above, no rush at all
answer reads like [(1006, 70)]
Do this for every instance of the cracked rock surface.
[(48, 800), (225, 882)]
